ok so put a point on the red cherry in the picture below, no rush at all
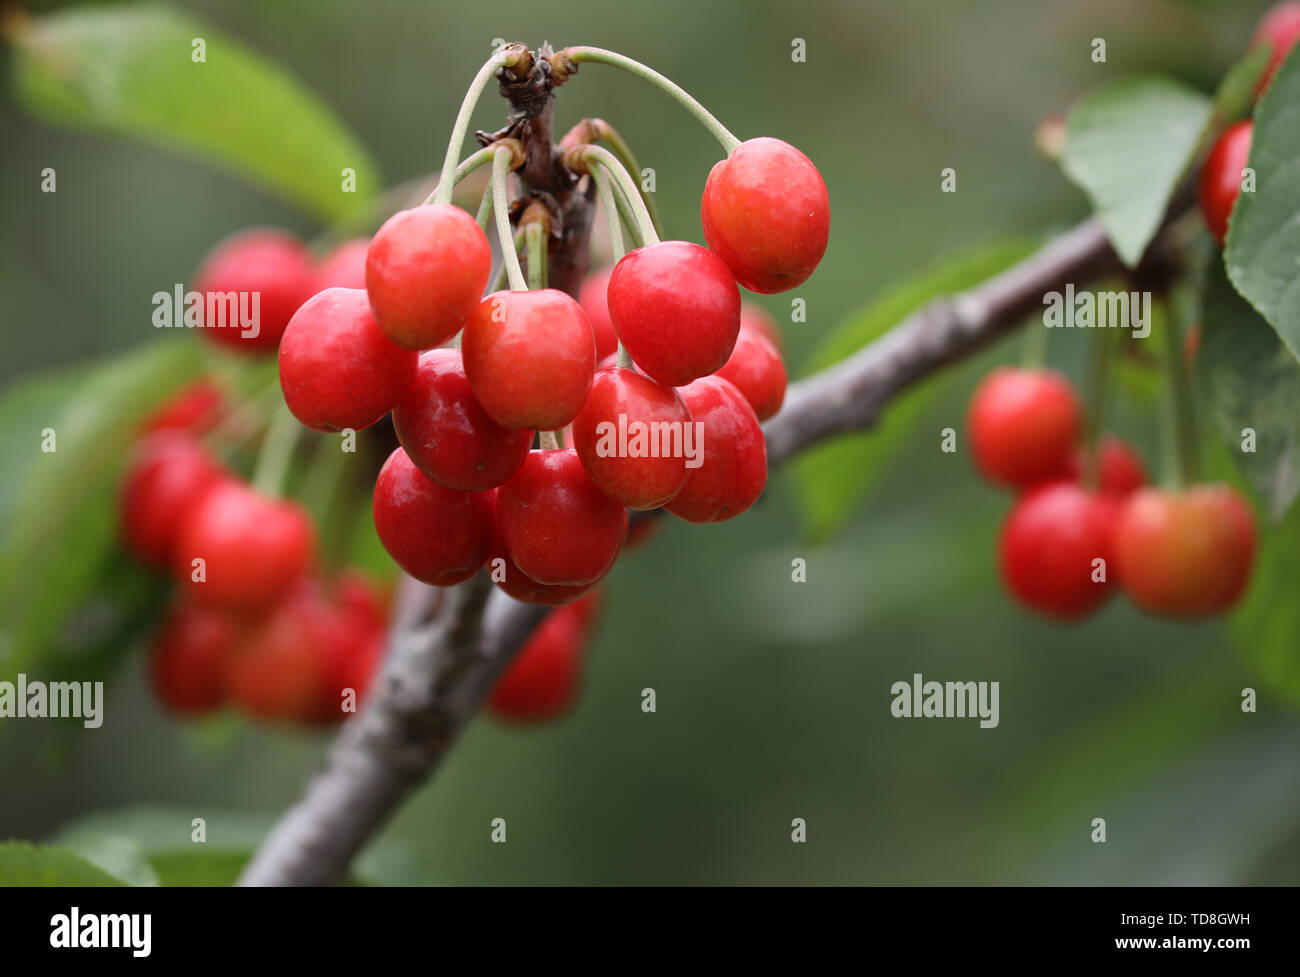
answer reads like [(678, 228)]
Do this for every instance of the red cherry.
[(337, 368), (362, 601), (1220, 183), (1048, 543), (1023, 424), (426, 271), (766, 214), (254, 549), (593, 296), (436, 534), (755, 317), (732, 450), (557, 526), (1279, 28), (344, 266), (677, 310), (170, 473), (195, 408), (352, 648), (188, 660), (1120, 471), (756, 369), (589, 611), (278, 671), (530, 357), (517, 584), (1185, 553), (448, 435), (632, 438), (542, 681), (272, 266)]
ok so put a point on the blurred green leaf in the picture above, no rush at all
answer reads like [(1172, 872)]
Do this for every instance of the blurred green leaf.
[(122, 858), (1249, 380), (1264, 231), (129, 70), (22, 863), (834, 477), (61, 569), (1127, 144), (1267, 623), (1236, 94)]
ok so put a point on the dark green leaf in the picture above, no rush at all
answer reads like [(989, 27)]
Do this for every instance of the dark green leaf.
[(1127, 145), (128, 69), (22, 863)]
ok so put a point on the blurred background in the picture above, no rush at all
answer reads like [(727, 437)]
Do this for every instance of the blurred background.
[(773, 697)]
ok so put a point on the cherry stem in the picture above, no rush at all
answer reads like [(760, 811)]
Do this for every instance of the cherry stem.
[(471, 163), (506, 55), (535, 242), (609, 162), (1180, 437), (548, 440), (1095, 408), (681, 95), (276, 452), (484, 215), (611, 212), (501, 165), (500, 281), (606, 133)]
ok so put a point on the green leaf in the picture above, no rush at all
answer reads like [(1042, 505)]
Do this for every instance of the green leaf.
[(1236, 95), (128, 69), (832, 479), (1267, 623), (1249, 380), (1264, 231), (1127, 145), (60, 554), (123, 858), (22, 863)]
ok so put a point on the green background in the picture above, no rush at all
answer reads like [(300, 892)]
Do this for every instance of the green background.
[(773, 697)]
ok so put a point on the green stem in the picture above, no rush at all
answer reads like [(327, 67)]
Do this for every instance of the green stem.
[(1095, 407), (611, 212), (471, 163), (535, 242), (276, 452), (447, 180), (484, 215), (604, 158), (623, 152), (597, 55), (1180, 448), (501, 279), (500, 205)]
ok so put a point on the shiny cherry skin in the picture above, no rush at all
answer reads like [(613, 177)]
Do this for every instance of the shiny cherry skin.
[(1023, 425), (1220, 183), (274, 266), (337, 368), (756, 369), (254, 549), (558, 527), (676, 309), (631, 438), (1279, 28), (530, 358), (426, 271), (543, 680), (188, 659), (1185, 554), (767, 215), (169, 474), (195, 408), (593, 296), (1120, 471), (1047, 546), (437, 535), (448, 434), (505, 573), (734, 454), (344, 266)]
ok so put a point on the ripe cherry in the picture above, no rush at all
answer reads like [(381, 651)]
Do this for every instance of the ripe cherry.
[(436, 534), (351, 648), (195, 408), (766, 214), (677, 310), (1279, 28), (448, 435), (530, 357), (337, 368), (755, 317), (1120, 471), (188, 660), (271, 265), (542, 682), (254, 549), (1023, 425), (278, 671), (170, 473), (558, 527), (632, 437), (593, 296), (1187, 553), (1220, 183), (1048, 543), (426, 270), (756, 369), (344, 266), (733, 452)]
